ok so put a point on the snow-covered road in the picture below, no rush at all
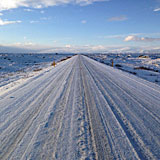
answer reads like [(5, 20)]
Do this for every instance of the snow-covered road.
[(81, 109)]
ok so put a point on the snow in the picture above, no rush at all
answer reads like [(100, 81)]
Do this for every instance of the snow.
[(16, 69), (81, 109), (144, 66)]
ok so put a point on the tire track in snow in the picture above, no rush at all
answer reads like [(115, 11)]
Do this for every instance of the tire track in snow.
[(116, 113), (28, 97), (100, 141), (20, 131), (48, 110), (60, 137), (47, 142), (16, 134), (73, 141), (131, 86), (126, 92), (81, 111), (100, 82), (106, 121)]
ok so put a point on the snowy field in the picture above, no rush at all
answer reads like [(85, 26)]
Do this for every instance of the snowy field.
[(16, 68), (81, 110), (146, 66)]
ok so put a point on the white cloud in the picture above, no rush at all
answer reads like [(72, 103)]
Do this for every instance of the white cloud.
[(117, 36), (119, 18), (29, 44), (34, 22), (68, 46), (120, 35), (39, 6), (1, 14), (132, 38), (45, 18), (83, 21), (26, 44), (140, 39), (87, 2), (10, 4), (6, 22), (28, 10), (156, 10)]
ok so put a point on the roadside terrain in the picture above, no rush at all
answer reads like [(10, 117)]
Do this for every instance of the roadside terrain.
[(14, 67), (146, 66)]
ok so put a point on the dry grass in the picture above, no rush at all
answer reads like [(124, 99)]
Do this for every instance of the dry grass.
[(145, 68), (38, 69)]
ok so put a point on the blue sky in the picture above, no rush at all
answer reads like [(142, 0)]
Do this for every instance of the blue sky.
[(80, 25)]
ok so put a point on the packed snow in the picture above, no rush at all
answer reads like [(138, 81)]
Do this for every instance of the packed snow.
[(81, 109)]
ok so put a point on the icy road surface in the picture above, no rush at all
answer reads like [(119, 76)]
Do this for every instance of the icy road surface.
[(81, 109)]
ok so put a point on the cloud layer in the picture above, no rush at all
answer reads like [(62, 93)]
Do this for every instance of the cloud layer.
[(35, 48), (10, 4), (156, 10), (140, 39)]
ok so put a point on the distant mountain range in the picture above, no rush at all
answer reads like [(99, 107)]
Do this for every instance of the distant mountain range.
[(78, 49)]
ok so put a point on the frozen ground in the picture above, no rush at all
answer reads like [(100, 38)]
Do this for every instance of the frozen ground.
[(16, 68), (144, 66), (81, 109)]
